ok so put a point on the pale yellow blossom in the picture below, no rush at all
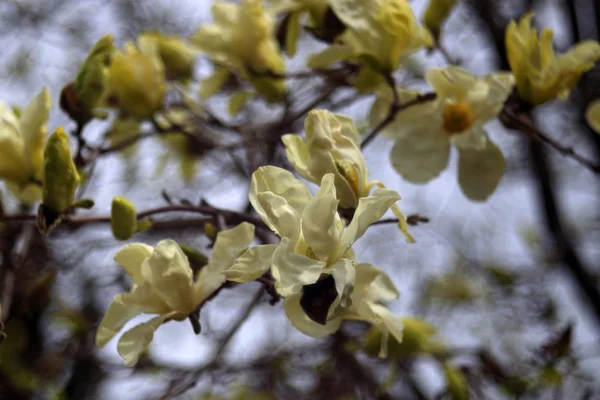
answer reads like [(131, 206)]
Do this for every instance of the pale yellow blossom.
[(540, 74), (314, 243), (424, 132), (22, 140), (242, 40), (164, 285)]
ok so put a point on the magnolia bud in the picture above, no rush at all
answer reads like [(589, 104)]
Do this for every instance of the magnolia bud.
[(60, 180), (123, 218), (177, 55)]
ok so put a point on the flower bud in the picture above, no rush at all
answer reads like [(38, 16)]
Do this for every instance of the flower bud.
[(60, 180), (123, 218)]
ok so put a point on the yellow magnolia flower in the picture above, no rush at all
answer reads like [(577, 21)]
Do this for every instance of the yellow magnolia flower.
[(177, 55), (22, 140), (332, 145), (163, 284), (592, 115), (136, 79), (315, 249), (242, 40), (541, 75), (424, 132), (436, 14), (381, 32)]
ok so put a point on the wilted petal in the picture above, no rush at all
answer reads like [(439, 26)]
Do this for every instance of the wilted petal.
[(479, 172), (292, 271), (229, 244), (131, 257), (369, 210), (318, 221), (251, 264), (136, 340), (303, 323), (170, 275)]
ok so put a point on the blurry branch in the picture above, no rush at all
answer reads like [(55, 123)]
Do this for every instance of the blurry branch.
[(413, 220), (173, 389), (395, 108), (488, 13), (514, 121)]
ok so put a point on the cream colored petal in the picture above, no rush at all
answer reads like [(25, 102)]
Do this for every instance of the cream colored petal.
[(124, 307), (420, 158), (369, 210), (279, 215), (282, 183), (252, 264), (297, 154), (450, 82), (135, 341), (318, 221), (344, 275), (131, 257), (292, 271), (229, 244), (487, 102), (32, 127), (592, 115), (169, 273), (479, 172), (303, 323), (391, 322), (207, 282), (348, 129), (332, 54), (374, 284)]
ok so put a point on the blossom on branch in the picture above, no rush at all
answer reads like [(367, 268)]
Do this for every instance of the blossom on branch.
[(163, 284), (332, 146), (313, 265), (424, 132), (380, 33), (22, 140), (242, 41), (540, 75)]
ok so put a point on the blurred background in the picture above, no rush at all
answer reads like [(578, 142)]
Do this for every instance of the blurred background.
[(510, 285)]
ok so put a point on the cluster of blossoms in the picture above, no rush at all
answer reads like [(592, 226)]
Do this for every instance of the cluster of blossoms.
[(313, 267)]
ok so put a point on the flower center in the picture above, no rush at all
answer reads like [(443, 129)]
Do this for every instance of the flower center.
[(457, 117), (350, 172), (311, 254)]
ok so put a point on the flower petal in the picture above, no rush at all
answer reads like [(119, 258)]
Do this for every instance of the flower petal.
[(169, 273), (124, 307), (252, 264), (229, 244), (374, 284), (292, 271), (344, 274), (479, 172), (131, 258), (136, 340), (318, 221), (592, 115), (303, 323), (297, 153), (421, 157), (282, 183), (332, 54), (369, 210), (279, 215), (32, 127)]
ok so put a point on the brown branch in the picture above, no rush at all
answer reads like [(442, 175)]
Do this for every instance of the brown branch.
[(395, 108), (514, 121)]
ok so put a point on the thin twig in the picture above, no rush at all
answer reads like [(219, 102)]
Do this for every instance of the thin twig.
[(514, 121)]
